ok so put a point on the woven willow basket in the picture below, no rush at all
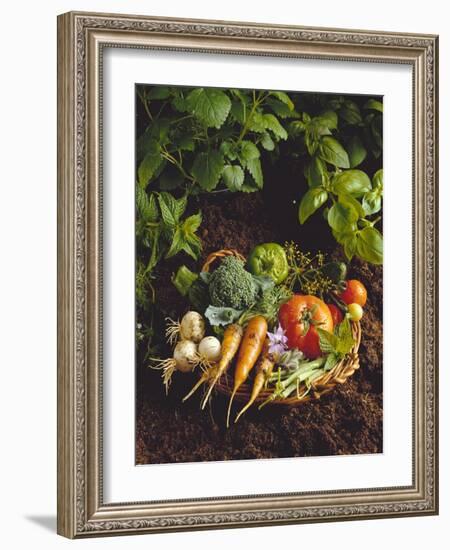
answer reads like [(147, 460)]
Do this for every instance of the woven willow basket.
[(337, 375)]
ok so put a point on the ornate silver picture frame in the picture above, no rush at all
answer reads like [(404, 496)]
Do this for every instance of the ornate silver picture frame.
[(82, 511)]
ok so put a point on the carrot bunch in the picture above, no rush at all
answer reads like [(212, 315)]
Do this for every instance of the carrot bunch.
[(252, 348)]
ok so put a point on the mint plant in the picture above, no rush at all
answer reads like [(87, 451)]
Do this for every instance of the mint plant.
[(162, 233)]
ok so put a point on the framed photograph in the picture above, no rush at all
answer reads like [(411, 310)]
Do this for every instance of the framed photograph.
[(247, 287)]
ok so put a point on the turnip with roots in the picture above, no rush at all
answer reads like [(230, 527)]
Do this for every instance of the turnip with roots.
[(191, 327), (185, 358)]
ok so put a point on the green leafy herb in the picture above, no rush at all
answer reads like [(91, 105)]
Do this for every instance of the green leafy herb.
[(353, 182), (311, 201), (233, 177), (207, 168), (356, 151), (211, 106), (340, 342), (330, 150)]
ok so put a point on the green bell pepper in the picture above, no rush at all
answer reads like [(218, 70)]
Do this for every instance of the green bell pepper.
[(269, 259)]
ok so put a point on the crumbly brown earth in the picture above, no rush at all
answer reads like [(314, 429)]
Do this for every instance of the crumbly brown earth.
[(346, 421)]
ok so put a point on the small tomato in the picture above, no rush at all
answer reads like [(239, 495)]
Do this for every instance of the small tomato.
[(355, 311), (355, 293)]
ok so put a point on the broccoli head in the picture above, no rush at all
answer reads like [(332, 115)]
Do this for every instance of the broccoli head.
[(231, 285)]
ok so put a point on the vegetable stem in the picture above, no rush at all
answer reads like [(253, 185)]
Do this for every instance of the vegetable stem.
[(145, 104)]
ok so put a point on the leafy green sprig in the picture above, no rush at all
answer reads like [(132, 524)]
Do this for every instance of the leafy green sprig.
[(336, 345), (348, 196), (207, 139), (162, 230)]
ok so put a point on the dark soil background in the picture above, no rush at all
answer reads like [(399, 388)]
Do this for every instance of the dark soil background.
[(346, 421)]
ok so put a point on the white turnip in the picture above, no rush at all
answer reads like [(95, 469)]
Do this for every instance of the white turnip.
[(209, 349), (185, 359), (192, 327)]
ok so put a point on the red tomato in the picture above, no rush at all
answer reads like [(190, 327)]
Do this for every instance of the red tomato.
[(355, 293), (300, 317), (336, 314)]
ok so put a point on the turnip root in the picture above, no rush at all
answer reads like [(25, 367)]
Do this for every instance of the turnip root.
[(192, 327), (185, 359), (209, 349)]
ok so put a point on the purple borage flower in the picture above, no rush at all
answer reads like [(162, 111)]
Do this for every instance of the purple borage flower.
[(278, 341)]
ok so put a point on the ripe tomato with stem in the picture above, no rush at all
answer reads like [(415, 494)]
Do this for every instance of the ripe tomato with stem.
[(300, 317)]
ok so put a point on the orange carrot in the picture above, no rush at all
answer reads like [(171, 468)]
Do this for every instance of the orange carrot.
[(251, 347), (264, 368), (231, 339)]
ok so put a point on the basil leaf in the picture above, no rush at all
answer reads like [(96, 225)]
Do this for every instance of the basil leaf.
[(374, 105), (372, 202), (377, 179), (349, 243), (311, 201), (348, 200), (377, 131), (330, 150), (328, 119), (316, 172), (350, 112), (353, 182), (356, 151), (341, 217), (369, 245)]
